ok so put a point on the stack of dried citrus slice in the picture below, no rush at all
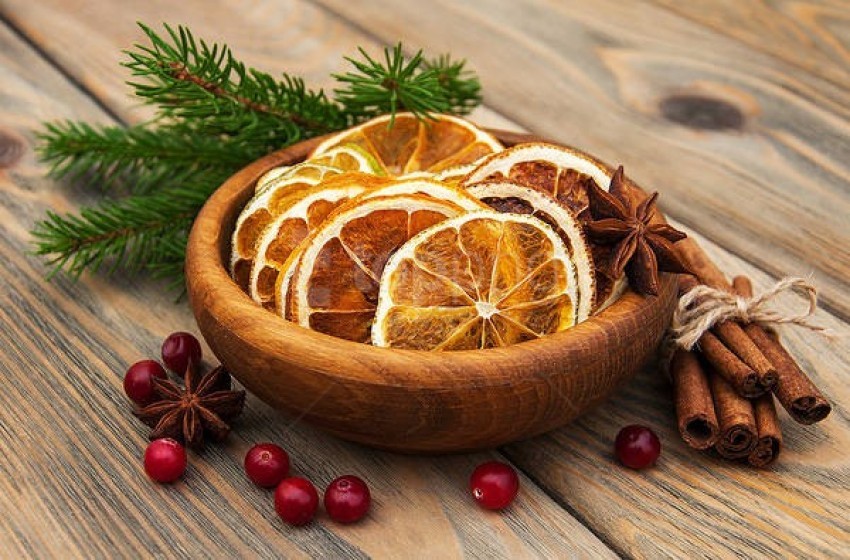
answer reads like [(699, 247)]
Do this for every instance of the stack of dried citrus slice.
[(425, 234)]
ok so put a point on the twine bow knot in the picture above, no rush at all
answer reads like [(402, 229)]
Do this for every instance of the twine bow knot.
[(703, 307)]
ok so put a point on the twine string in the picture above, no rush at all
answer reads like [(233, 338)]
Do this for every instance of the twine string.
[(703, 307)]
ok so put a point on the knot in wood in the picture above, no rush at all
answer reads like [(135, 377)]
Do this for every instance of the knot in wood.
[(701, 112), (12, 148)]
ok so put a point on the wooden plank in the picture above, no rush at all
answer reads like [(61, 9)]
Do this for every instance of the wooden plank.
[(772, 187), (72, 483), (814, 36), (696, 504)]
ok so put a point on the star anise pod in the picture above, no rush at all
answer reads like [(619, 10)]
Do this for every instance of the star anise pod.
[(198, 410), (637, 247)]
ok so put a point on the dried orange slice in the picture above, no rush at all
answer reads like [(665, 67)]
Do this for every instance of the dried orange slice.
[(454, 175), (303, 214), (558, 171), (334, 289), (505, 196), (255, 218), (430, 187), (481, 280), (412, 144)]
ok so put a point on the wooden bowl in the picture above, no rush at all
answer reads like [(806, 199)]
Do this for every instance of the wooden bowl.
[(408, 400)]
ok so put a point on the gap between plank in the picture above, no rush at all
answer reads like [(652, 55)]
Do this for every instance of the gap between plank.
[(555, 497), (70, 78)]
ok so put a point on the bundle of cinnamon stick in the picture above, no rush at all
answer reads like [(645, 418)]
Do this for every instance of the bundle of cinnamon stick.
[(725, 388)]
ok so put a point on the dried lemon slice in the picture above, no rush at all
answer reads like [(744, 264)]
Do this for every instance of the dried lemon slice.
[(307, 170), (558, 171), (481, 280), (303, 214), (505, 196), (412, 144), (335, 285), (270, 176), (350, 157)]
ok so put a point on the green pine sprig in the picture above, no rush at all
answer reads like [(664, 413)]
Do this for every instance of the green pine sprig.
[(214, 115), (141, 157)]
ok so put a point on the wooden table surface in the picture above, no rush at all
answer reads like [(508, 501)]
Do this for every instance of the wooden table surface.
[(738, 111)]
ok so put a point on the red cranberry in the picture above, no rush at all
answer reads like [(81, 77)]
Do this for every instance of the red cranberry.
[(266, 464), (637, 447), (178, 349), (165, 460), (494, 485), (347, 499), (138, 381), (296, 500)]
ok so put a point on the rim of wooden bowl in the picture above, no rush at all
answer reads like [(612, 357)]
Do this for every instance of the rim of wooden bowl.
[(213, 292)]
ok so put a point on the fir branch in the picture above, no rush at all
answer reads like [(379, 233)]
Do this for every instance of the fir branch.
[(461, 86), (138, 157), (375, 88), (132, 233), (190, 79)]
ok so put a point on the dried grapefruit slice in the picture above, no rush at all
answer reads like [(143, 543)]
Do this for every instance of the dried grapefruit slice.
[(480, 280), (506, 196), (303, 214), (335, 285), (558, 171), (412, 144)]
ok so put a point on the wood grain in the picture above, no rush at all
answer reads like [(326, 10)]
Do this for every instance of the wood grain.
[(594, 75), (773, 190), (814, 36), (71, 480)]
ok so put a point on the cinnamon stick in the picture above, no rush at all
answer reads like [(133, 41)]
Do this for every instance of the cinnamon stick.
[(769, 433), (733, 353), (794, 390), (694, 405), (738, 431)]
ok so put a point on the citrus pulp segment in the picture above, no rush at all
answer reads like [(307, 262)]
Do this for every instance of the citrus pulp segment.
[(555, 170), (412, 144), (480, 280), (505, 196), (303, 214), (336, 282)]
